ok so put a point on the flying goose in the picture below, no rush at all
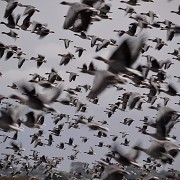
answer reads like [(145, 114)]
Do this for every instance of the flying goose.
[(78, 10), (131, 2), (124, 159), (33, 120), (66, 58), (11, 34), (157, 151), (177, 12), (11, 5), (79, 50), (36, 101), (66, 42), (12, 21), (124, 56), (102, 79), (164, 123), (9, 119), (40, 60), (129, 10)]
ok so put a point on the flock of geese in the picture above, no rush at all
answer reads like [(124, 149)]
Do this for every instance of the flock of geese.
[(61, 116)]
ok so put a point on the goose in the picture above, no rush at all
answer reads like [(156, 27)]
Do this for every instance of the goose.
[(148, 0), (127, 121), (43, 31), (166, 100), (103, 11), (124, 159), (12, 21), (90, 152), (11, 34), (177, 57), (124, 134), (126, 142), (160, 44), (66, 58), (103, 122), (86, 87), (84, 139), (77, 89), (105, 43), (174, 53), (151, 14), (2, 49), (88, 70), (109, 113), (92, 3), (130, 32), (94, 39), (14, 137), (61, 146), (2, 97), (124, 57), (34, 101), (168, 24), (177, 12), (58, 118), (131, 2), (170, 34), (10, 51), (82, 35), (134, 99), (157, 151), (171, 90), (170, 147), (34, 77), (50, 140), (142, 22), (72, 76), (178, 77), (11, 5), (66, 42), (54, 76), (129, 10), (33, 120), (56, 131), (113, 107), (164, 123), (29, 10), (96, 126), (40, 29), (9, 119), (152, 64), (40, 60), (102, 79), (21, 61), (16, 147), (114, 137), (26, 23), (80, 50), (101, 144), (145, 48), (38, 142), (70, 142), (73, 156), (13, 86), (166, 65), (78, 10)]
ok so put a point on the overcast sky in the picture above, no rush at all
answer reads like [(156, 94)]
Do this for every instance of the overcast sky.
[(52, 13)]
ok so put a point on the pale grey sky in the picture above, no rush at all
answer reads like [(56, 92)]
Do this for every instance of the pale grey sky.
[(51, 12)]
